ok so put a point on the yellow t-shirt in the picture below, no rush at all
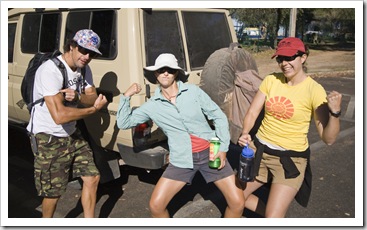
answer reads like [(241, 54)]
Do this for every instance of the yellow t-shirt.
[(289, 110)]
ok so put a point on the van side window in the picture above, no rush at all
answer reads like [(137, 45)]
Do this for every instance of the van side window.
[(40, 32), (11, 36), (163, 35), (103, 22), (205, 33)]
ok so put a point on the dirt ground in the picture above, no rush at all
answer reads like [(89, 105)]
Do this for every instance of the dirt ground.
[(322, 62)]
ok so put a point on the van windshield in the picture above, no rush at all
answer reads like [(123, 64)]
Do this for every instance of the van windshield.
[(205, 32)]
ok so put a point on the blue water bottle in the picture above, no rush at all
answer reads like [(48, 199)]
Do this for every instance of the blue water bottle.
[(245, 173)]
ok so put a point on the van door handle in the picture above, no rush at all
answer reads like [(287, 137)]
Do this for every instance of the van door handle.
[(147, 90)]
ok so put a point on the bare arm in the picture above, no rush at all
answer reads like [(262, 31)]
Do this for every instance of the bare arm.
[(62, 114), (88, 98), (250, 118), (328, 126)]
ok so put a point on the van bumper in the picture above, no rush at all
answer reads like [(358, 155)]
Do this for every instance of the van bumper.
[(151, 158)]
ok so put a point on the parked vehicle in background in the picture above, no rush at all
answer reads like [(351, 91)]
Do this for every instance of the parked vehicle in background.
[(130, 39), (314, 37)]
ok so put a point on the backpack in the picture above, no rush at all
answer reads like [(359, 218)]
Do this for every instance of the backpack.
[(230, 78), (27, 85)]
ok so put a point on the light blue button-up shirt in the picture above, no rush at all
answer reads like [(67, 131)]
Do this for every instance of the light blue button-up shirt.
[(189, 116)]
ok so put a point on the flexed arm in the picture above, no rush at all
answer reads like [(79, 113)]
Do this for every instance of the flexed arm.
[(328, 126)]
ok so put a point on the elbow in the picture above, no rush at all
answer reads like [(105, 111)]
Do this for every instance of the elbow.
[(329, 141), (59, 118), (121, 125), (59, 121)]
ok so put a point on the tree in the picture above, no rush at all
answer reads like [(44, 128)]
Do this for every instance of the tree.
[(271, 17)]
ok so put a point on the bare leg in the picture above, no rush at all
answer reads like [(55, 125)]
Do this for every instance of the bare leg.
[(253, 203), (233, 195), (49, 207), (162, 194), (280, 198), (89, 195)]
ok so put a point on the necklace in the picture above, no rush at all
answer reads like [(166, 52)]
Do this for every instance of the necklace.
[(167, 96)]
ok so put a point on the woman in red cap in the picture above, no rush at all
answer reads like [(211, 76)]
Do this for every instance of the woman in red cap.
[(290, 99)]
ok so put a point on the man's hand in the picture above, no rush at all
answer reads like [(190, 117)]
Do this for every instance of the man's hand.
[(100, 102), (70, 95)]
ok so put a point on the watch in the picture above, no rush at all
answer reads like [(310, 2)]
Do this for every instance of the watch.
[(337, 114)]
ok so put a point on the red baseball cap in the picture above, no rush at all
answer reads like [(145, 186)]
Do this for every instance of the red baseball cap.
[(289, 47)]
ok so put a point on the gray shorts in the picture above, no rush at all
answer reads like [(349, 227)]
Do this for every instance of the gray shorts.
[(201, 161)]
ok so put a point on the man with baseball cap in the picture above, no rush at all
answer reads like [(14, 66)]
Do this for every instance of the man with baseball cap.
[(61, 149)]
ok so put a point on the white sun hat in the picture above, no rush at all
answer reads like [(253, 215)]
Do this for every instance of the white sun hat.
[(164, 60)]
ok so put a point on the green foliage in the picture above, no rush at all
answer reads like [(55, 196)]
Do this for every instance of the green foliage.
[(330, 20)]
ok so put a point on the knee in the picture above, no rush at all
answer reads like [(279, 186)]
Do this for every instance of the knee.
[(237, 202), (154, 207), (91, 181)]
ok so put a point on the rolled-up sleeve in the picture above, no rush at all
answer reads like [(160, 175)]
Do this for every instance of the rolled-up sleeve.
[(126, 117)]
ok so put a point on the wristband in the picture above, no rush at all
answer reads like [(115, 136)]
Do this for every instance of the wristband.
[(337, 114)]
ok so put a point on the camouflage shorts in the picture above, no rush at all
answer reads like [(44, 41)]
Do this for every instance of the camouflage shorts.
[(56, 157)]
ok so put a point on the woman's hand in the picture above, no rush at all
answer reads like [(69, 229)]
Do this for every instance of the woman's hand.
[(222, 156), (135, 88), (244, 139), (334, 100)]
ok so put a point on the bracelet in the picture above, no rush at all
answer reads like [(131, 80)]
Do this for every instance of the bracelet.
[(337, 114), (95, 107)]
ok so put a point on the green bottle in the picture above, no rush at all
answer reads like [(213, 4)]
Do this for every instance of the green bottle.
[(213, 150)]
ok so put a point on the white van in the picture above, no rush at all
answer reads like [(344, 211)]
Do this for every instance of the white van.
[(130, 39)]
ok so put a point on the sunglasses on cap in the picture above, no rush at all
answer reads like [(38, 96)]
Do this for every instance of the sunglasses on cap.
[(85, 51), (280, 59), (166, 69)]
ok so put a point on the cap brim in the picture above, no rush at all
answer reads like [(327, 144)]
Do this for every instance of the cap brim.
[(90, 48), (286, 53)]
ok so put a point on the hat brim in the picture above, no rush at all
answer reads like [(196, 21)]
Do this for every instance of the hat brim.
[(149, 74), (285, 52), (91, 49)]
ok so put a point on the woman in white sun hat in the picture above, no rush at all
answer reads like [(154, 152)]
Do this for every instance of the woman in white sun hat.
[(180, 110)]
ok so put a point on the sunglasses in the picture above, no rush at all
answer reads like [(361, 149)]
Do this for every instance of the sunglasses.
[(84, 51), (166, 69), (280, 59)]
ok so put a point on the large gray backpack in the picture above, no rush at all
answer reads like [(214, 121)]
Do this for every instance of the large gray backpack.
[(230, 77)]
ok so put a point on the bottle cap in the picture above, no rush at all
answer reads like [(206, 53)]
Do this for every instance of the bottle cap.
[(247, 152), (214, 139)]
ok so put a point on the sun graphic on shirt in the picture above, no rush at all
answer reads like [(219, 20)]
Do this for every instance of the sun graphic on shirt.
[(280, 107)]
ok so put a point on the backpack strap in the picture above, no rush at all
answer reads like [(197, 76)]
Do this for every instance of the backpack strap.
[(83, 79), (62, 68)]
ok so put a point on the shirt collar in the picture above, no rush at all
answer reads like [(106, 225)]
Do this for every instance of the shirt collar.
[(158, 94)]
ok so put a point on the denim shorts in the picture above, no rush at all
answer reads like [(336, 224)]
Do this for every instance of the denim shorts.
[(201, 163)]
